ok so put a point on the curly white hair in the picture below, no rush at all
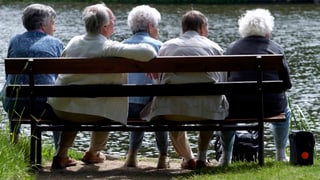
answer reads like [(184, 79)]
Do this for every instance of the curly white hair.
[(140, 16), (257, 22)]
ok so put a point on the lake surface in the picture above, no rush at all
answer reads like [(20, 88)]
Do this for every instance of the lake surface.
[(296, 29)]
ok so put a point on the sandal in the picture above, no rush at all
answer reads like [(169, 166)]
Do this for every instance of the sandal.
[(90, 158), (62, 162)]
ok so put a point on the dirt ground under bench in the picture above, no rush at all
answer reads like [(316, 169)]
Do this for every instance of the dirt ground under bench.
[(113, 169)]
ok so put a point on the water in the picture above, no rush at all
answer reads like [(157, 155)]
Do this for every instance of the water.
[(296, 29)]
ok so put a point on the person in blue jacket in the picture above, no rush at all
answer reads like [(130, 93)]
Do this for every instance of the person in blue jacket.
[(37, 41), (143, 21)]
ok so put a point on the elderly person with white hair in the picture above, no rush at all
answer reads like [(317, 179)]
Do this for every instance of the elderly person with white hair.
[(255, 28), (99, 22), (143, 21)]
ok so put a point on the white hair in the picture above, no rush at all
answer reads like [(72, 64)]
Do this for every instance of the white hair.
[(95, 16), (257, 22), (140, 16)]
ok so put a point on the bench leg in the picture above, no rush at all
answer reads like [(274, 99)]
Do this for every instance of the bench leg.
[(39, 148), (32, 147), (261, 143)]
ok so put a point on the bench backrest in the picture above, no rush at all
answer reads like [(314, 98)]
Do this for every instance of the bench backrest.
[(159, 64), (258, 63)]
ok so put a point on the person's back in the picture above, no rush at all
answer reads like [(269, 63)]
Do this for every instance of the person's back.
[(193, 42), (190, 43), (99, 22), (255, 28), (37, 41), (34, 44), (143, 21), (95, 43), (274, 103)]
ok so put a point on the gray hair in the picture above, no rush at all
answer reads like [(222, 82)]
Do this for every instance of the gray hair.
[(193, 20), (140, 16), (257, 22), (36, 15), (95, 17)]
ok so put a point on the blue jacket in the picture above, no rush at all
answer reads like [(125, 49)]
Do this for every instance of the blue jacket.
[(139, 78), (30, 44)]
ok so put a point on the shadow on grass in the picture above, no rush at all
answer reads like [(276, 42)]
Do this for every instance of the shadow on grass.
[(234, 168)]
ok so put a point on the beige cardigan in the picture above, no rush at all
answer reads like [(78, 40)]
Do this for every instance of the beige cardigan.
[(99, 46), (207, 107)]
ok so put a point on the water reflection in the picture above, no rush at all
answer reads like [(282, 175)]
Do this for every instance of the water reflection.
[(296, 29)]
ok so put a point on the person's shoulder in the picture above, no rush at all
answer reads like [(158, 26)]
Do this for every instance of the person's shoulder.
[(51, 41), (16, 37), (110, 42), (275, 43), (54, 39), (128, 40), (154, 42), (212, 44), (277, 48), (75, 39), (233, 43), (142, 39), (122, 46), (172, 41)]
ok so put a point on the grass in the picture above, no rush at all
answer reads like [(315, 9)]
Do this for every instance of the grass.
[(300, 120), (14, 165), (14, 158), (270, 171)]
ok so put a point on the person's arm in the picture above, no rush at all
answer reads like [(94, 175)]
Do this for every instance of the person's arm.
[(285, 75), (139, 52)]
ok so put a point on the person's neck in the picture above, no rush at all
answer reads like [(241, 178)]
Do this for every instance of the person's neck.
[(38, 30)]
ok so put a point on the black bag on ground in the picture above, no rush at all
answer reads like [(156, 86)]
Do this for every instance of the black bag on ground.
[(301, 147), (245, 147)]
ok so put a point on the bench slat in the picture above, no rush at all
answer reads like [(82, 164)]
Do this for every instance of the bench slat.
[(161, 64), (112, 90), (139, 122)]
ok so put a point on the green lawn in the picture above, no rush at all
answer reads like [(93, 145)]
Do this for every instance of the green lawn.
[(14, 165), (270, 171), (14, 158)]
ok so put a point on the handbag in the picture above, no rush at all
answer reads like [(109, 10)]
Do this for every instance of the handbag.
[(245, 147)]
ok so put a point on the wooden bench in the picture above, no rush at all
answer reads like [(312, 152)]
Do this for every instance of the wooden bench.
[(258, 63)]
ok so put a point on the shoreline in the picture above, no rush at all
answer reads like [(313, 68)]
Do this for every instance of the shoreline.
[(175, 1)]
